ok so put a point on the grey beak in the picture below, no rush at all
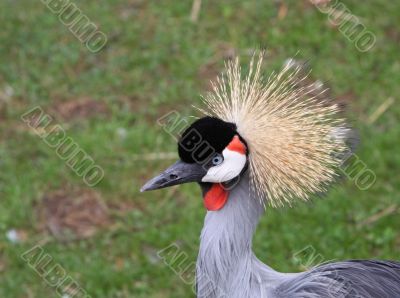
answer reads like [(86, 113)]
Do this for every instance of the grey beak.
[(180, 172)]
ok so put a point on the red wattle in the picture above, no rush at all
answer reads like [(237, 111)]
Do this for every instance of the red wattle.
[(216, 197)]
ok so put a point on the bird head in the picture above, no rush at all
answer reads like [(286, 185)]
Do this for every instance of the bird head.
[(211, 153), (289, 137)]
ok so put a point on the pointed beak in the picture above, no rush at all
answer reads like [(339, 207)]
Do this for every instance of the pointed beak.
[(179, 173)]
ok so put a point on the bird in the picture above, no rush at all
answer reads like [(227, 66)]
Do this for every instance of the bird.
[(266, 142)]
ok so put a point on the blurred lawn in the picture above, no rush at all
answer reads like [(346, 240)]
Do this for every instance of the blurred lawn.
[(156, 60)]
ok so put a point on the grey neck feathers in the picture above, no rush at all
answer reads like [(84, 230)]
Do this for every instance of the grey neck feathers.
[(226, 265)]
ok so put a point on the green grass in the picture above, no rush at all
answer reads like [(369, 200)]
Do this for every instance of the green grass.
[(156, 61)]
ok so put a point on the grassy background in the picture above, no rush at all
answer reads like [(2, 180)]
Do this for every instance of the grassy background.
[(156, 60)]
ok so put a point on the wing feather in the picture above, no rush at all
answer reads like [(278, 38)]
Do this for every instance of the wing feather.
[(353, 278)]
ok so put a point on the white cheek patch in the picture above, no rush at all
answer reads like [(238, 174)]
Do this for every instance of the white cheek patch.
[(231, 167)]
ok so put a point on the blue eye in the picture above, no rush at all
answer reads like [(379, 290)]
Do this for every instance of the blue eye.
[(217, 159)]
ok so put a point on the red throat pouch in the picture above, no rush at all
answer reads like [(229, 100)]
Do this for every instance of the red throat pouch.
[(216, 197)]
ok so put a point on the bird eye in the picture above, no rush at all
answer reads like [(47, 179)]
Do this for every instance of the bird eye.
[(217, 159)]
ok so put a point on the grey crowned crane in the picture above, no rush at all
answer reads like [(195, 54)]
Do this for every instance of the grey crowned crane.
[(266, 143)]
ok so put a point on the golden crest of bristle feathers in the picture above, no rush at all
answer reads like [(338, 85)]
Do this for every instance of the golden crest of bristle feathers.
[(287, 127)]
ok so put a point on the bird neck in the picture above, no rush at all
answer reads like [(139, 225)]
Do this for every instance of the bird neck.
[(226, 244)]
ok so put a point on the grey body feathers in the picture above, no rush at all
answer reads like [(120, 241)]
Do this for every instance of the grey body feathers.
[(347, 279), (227, 267)]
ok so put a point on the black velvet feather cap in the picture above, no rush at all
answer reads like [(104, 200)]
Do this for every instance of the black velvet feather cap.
[(205, 137)]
